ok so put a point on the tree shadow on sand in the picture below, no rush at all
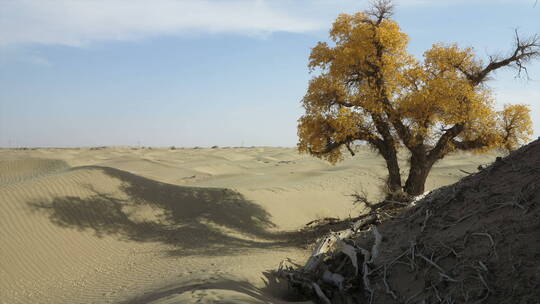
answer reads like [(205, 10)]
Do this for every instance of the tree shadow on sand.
[(202, 221)]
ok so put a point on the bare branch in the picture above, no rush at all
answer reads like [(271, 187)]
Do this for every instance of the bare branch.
[(524, 51), (381, 9)]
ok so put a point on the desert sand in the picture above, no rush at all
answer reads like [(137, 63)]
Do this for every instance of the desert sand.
[(161, 225)]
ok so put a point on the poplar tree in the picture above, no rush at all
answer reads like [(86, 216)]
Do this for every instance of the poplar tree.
[(367, 87)]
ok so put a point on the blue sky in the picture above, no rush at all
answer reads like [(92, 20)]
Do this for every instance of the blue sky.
[(203, 73)]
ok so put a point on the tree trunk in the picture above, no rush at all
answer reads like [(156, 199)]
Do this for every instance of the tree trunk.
[(418, 173), (394, 177)]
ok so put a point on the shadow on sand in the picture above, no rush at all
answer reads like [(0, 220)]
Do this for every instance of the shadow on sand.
[(240, 292), (194, 220)]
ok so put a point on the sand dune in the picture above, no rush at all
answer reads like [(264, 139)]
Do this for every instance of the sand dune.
[(124, 225), (17, 171)]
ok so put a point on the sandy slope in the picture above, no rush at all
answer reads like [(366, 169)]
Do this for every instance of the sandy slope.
[(124, 225)]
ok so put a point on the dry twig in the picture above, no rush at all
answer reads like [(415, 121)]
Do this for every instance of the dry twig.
[(442, 272), (388, 289)]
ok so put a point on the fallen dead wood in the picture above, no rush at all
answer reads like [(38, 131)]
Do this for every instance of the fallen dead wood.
[(335, 264), (340, 270)]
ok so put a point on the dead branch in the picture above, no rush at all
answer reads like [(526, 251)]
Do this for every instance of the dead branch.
[(362, 223), (413, 296), (485, 234), (375, 248), (449, 248), (466, 172), (391, 262), (461, 219), (442, 272), (387, 286), (428, 214), (483, 266), (436, 291), (488, 290), (524, 51), (380, 10), (320, 293)]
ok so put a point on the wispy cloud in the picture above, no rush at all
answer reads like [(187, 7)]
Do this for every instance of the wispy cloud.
[(75, 23), (80, 22)]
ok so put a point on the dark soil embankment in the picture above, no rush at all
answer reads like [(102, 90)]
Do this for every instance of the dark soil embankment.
[(477, 241)]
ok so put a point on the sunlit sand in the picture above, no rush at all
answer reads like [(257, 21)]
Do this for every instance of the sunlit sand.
[(168, 225)]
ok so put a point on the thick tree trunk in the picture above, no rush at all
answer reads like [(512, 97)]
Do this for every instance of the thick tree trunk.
[(418, 173), (394, 177)]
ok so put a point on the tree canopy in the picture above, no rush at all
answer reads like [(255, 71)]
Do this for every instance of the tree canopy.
[(367, 87)]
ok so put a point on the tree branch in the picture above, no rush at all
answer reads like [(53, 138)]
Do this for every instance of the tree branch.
[(469, 144), (344, 103), (403, 131), (439, 150), (331, 146), (524, 51), (385, 7), (348, 145), (381, 9)]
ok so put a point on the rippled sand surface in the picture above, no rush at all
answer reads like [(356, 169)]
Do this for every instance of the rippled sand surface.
[(133, 225)]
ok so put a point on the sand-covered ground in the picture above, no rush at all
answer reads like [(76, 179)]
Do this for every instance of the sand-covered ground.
[(132, 225)]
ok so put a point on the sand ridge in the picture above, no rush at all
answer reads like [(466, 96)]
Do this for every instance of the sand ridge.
[(155, 225)]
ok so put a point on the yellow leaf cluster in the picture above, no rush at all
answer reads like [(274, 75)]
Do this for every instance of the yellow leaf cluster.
[(353, 66), (515, 125), (439, 95), (324, 92), (317, 130), (451, 59)]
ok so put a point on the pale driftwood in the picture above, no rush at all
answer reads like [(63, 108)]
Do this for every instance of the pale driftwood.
[(333, 278), (315, 276), (388, 289), (320, 293), (323, 247), (356, 226), (349, 251), (376, 245)]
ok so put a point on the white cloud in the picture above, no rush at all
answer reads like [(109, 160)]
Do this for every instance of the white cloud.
[(78, 22), (81, 22)]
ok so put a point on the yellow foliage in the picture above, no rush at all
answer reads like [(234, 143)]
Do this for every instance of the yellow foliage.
[(515, 125), (316, 129), (368, 82)]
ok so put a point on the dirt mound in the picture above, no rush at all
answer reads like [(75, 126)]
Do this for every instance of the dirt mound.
[(476, 241)]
